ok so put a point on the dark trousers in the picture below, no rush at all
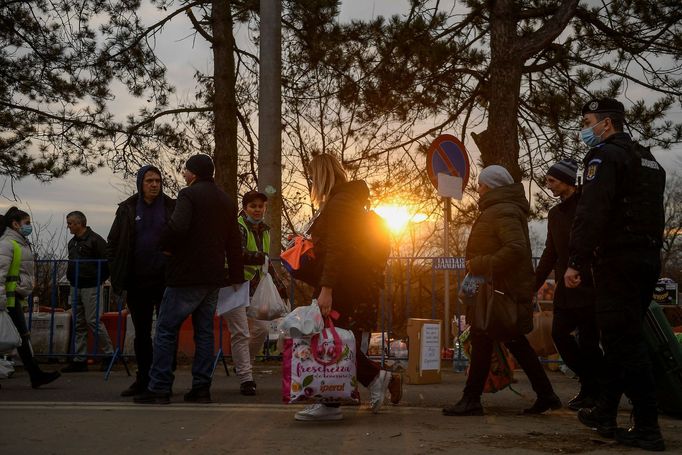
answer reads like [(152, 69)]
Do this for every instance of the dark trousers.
[(361, 301), (625, 285), (367, 369), (481, 353), (141, 303), (581, 352), (16, 313)]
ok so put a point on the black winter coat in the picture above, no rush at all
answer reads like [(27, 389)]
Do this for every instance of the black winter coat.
[(499, 244), (333, 234), (89, 246), (600, 226), (555, 257), (201, 235), (121, 243)]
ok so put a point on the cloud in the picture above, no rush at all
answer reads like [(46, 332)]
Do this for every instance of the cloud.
[(96, 195)]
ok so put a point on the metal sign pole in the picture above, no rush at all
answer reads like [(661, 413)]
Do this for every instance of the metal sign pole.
[(446, 253)]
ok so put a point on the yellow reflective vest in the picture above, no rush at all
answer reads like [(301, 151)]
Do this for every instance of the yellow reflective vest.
[(251, 270), (13, 275)]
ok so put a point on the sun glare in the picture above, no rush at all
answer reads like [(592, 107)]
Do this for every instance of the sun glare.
[(398, 216)]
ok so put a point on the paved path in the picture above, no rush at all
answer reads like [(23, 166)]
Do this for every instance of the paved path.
[(81, 413)]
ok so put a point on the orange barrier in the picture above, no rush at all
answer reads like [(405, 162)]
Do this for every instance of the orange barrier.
[(186, 337)]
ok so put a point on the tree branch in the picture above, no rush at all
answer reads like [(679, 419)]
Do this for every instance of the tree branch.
[(159, 24), (198, 27), (552, 28)]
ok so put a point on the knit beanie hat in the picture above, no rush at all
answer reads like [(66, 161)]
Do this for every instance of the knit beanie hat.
[(200, 165), (495, 176), (564, 170)]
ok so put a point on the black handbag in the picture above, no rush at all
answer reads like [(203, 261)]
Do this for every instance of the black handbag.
[(496, 313)]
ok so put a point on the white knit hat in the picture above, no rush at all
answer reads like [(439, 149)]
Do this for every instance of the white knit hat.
[(495, 176)]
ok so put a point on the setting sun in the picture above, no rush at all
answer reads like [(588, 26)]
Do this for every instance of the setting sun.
[(398, 216)]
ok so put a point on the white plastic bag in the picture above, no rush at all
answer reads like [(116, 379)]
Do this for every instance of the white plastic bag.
[(9, 336), (303, 321), (266, 303)]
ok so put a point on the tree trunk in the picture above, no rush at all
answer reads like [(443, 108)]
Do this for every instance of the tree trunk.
[(506, 67), (225, 103)]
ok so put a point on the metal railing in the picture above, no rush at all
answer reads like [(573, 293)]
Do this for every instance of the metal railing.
[(414, 288)]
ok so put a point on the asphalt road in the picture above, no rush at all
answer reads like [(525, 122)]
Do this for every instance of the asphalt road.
[(82, 413)]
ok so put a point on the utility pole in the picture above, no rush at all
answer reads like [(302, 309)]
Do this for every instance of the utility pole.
[(270, 117)]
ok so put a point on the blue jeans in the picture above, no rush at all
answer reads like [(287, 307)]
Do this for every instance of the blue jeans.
[(176, 306)]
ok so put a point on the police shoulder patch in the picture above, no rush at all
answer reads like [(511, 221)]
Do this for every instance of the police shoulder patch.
[(591, 169)]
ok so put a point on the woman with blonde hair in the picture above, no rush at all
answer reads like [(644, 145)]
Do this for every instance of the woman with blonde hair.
[(345, 285)]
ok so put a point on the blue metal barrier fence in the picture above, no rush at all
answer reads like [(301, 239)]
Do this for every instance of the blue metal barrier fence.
[(413, 289)]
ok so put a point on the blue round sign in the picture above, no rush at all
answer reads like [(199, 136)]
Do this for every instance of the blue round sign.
[(447, 155)]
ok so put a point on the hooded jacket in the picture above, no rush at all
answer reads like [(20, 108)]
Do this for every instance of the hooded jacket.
[(333, 230), (334, 233), (26, 270), (121, 242), (499, 245)]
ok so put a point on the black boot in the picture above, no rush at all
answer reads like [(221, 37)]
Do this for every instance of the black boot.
[(598, 419), (149, 397), (544, 403), (247, 388), (584, 399), (137, 387), (647, 438), (199, 395), (43, 377), (466, 406)]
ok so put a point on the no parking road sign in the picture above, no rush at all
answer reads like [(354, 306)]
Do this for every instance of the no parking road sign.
[(448, 156)]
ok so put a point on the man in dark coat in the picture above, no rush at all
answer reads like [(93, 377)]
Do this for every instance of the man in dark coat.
[(573, 308), (86, 272), (137, 264), (617, 236), (201, 236), (499, 249)]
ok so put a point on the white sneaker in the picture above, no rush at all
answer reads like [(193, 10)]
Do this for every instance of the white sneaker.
[(319, 412), (377, 390)]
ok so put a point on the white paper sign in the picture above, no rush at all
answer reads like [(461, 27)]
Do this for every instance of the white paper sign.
[(430, 347), (229, 299), (449, 186)]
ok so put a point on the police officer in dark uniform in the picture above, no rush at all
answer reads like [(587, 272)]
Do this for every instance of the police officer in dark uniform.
[(617, 236)]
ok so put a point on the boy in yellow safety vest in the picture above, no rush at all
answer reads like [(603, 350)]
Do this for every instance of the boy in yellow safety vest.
[(248, 334)]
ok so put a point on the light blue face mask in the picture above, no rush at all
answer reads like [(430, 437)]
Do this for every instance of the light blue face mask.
[(252, 220), (25, 230), (588, 137)]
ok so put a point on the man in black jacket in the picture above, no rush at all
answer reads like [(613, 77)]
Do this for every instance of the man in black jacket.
[(86, 272), (137, 264), (200, 237), (617, 235), (573, 308)]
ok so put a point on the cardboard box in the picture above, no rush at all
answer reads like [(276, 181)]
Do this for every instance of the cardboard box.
[(424, 347)]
